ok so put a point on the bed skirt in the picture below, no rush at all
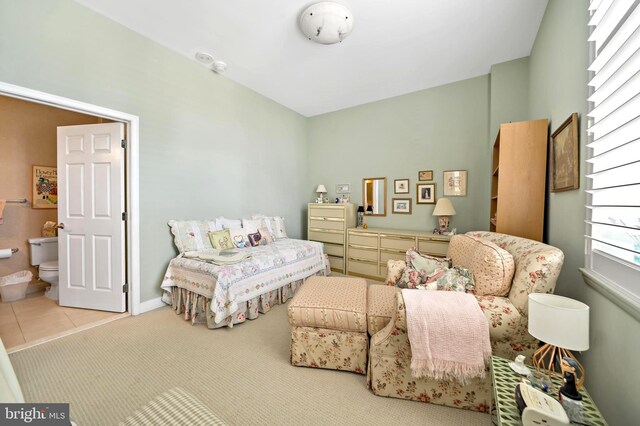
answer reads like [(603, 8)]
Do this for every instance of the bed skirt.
[(195, 307)]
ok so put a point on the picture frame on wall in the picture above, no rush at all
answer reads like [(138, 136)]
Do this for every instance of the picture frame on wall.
[(426, 193), (343, 188), (564, 160), (425, 175), (401, 205), (455, 183), (401, 186), (45, 187)]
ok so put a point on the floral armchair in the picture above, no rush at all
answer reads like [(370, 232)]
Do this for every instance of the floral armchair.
[(505, 283)]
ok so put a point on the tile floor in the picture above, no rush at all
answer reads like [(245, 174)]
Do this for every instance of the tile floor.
[(37, 317)]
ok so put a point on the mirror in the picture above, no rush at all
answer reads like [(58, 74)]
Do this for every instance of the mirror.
[(374, 196)]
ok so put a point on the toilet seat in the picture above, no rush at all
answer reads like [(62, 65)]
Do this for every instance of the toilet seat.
[(49, 266)]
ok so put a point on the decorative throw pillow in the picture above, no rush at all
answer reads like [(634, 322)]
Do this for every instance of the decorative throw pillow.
[(266, 236), (239, 237), (191, 235), (454, 279), (256, 240), (279, 230), (395, 268), (229, 223), (421, 268), (221, 240), (426, 264)]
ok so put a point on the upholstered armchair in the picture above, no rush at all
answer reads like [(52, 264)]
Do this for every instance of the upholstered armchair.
[(506, 269)]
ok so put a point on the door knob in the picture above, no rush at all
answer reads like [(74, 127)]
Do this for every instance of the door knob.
[(60, 225)]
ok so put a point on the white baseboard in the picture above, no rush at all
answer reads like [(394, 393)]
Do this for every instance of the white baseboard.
[(152, 304)]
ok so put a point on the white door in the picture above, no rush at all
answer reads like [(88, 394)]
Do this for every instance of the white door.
[(91, 246)]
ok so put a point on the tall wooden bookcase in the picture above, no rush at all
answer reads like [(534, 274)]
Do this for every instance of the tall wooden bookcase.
[(519, 177)]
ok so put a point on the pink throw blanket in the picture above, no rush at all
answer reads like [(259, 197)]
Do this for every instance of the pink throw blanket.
[(448, 333)]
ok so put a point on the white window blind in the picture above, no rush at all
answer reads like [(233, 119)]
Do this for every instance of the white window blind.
[(613, 155)]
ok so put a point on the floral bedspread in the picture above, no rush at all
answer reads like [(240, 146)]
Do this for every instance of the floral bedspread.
[(268, 268)]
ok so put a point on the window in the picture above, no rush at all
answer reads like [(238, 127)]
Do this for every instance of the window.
[(613, 155)]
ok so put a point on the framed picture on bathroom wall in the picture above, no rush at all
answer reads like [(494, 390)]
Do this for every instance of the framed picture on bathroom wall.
[(45, 187)]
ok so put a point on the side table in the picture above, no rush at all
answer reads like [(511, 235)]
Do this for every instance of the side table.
[(503, 404)]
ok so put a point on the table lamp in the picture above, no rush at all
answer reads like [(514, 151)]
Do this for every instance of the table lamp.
[(443, 210), (563, 324), (320, 190)]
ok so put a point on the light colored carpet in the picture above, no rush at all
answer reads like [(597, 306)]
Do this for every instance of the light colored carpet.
[(242, 375)]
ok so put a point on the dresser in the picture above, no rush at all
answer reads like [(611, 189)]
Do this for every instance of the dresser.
[(368, 250), (328, 223)]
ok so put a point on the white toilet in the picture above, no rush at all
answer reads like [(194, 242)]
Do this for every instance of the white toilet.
[(44, 255)]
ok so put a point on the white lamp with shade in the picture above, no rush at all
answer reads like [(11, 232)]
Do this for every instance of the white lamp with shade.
[(563, 324), (443, 210), (320, 190)]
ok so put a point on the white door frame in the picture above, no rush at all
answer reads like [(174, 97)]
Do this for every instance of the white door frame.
[(132, 123)]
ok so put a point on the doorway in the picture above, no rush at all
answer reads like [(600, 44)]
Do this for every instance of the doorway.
[(131, 160)]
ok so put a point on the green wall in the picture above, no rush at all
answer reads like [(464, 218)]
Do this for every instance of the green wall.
[(444, 128), (557, 88), (208, 146), (509, 94)]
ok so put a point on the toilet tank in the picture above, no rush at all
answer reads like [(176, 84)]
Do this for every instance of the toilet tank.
[(43, 250)]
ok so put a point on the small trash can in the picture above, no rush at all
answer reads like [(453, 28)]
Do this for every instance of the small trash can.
[(14, 287)]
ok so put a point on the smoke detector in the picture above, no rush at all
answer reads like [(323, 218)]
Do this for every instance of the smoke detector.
[(204, 58), (326, 22)]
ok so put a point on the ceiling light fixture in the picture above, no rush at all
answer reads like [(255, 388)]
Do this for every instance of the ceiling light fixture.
[(326, 22)]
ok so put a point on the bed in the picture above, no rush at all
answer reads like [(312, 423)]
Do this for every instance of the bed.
[(224, 295)]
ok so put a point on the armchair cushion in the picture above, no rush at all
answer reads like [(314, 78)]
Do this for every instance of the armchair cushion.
[(492, 266), (537, 266)]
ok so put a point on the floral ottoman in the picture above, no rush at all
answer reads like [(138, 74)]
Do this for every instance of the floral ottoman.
[(328, 318)]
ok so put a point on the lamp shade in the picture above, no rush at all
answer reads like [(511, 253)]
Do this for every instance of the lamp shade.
[(321, 188), (360, 209), (559, 321), (444, 208)]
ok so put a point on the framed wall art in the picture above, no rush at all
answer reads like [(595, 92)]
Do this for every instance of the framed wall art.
[(426, 193), (343, 188), (455, 183), (401, 205), (401, 186), (564, 156), (425, 175), (45, 187)]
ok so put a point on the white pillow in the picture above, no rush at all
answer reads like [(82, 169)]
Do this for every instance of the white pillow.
[(191, 235), (279, 230), (275, 225), (229, 223), (239, 237), (252, 225)]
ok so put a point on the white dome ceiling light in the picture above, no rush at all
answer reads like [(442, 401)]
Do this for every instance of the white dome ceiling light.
[(326, 22)]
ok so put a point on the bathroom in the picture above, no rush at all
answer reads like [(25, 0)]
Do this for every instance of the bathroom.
[(28, 139)]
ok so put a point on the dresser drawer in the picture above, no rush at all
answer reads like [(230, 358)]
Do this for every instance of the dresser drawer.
[(363, 267), (337, 263), (328, 211), (398, 242), (363, 239), (335, 237), (432, 247), (392, 254), (326, 223), (363, 253), (334, 249)]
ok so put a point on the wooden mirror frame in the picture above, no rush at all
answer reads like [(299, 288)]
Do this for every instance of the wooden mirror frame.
[(364, 198)]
